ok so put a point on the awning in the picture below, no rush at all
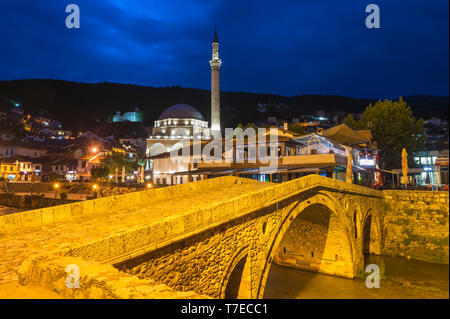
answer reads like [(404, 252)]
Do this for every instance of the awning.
[(304, 170), (442, 162), (411, 171)]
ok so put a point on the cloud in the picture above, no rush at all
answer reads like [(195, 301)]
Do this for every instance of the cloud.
[(284, 47)]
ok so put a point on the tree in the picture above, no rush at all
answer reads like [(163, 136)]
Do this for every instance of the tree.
[(100, 172), (350, 121), (393, 127), (246, 126), (117, 160), (296, 128)]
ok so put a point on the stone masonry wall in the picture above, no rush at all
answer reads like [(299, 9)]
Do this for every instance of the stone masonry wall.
[(416, 225), (199, 263), (96, 281)]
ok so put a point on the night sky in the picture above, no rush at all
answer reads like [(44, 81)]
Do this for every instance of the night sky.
[(282, 47)]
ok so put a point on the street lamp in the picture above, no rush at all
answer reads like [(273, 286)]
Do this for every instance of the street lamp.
[(149, 185), (95, 187), (56, 186)]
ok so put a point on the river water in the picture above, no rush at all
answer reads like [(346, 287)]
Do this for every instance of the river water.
[(401, 279)]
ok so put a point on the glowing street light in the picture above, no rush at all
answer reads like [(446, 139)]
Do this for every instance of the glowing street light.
[(94, 150), (149, 185), (95, 187), (56, 186)]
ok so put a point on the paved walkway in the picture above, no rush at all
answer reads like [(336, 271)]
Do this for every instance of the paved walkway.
[(17, 244)]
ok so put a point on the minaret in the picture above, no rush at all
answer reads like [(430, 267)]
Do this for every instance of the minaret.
[(215, 89)]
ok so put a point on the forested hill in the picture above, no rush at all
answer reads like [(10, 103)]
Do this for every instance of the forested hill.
[(79, 105)]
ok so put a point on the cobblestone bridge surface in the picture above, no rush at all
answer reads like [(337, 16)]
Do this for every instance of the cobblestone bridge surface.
[(19, 242)]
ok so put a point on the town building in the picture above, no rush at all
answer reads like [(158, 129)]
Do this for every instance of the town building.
[(286, 156), (430, 169), (21, 169), (12, 148), (135, 116), (64, 169)]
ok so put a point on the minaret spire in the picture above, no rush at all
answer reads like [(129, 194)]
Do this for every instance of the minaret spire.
[(215, 40), (215, 87)]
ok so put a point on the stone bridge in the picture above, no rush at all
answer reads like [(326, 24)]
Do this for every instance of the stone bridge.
[(215, 238)]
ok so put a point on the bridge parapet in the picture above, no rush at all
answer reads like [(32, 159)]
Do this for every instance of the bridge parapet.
[(38, 217)]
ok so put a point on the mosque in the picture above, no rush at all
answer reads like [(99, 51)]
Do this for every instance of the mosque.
[(181, 124)]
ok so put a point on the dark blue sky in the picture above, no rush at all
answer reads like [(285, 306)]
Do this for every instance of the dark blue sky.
[(281, 47)]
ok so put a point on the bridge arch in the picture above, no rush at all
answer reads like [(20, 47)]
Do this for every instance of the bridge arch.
[(235, 282), (320, 213), (371, 234)]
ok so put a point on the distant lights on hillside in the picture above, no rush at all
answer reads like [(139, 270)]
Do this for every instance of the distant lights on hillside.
[(16, 103), (135, 116)]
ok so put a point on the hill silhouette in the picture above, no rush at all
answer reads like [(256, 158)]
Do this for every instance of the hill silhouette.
[(81, 105)]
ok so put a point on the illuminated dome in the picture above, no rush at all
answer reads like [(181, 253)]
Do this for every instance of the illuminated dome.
[(181, 111)]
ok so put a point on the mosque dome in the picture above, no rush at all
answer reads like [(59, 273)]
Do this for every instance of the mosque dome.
[(181, 111)]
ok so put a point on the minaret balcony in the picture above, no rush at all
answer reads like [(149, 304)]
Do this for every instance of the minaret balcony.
[(215, 63)]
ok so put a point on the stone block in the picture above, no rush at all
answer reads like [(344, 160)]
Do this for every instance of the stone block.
[(97, 250), (173, 226), (206, 215), (136, 238), (87, 207), (30, 218), (218, 212), (195, 220), (156, 232), (62, 212), (10, 220), (47, 215), (117, 245)]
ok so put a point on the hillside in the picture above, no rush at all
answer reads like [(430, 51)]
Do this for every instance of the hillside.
[(81, 105)]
